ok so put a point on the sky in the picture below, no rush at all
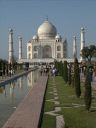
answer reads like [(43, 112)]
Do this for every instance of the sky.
[(25, 16)]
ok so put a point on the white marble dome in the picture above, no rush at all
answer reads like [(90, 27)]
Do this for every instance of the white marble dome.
[(46, 30), (35, 37)]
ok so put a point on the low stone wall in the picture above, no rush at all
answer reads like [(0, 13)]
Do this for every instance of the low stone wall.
[(28, 113)]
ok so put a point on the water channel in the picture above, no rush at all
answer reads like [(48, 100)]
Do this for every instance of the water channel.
[(12, 94)]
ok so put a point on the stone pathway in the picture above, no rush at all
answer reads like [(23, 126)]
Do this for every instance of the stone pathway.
[(59, 118)]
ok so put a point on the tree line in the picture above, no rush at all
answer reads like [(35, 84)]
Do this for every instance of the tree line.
[(6, 67)]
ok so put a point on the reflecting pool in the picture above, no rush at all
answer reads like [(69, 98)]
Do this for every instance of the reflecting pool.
[(12, 93)]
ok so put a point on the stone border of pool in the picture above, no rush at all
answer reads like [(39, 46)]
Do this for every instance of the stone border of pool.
[(12, 78), (28, 113)]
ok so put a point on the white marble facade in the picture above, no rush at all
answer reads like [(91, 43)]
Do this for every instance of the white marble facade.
[(47, 43)]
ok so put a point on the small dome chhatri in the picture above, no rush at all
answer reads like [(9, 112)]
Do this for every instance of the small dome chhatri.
[(35, 37), (46, 30), (58, 36)]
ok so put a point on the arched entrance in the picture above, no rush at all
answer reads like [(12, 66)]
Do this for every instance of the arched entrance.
[(47, 52)]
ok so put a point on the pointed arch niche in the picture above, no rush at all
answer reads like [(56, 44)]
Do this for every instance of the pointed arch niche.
[(47, 51)]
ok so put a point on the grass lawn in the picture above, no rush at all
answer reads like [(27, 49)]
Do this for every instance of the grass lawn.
[(73, 108), (49, 121)]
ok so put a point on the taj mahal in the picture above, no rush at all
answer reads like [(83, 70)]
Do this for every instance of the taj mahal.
[(46, 45)]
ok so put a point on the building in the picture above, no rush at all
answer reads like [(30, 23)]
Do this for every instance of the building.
[(47, 45)]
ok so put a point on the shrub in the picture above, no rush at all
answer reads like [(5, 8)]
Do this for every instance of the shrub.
[(65, 72)]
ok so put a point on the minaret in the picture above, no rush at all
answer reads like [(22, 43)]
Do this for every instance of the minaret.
[(74, 47), (20, 47), (82, 41), (10, 60)]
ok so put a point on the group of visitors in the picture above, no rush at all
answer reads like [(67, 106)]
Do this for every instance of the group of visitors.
[(11, 72), (7, 72), (52, 71), (44, 70), (91, 72), (48, 70)]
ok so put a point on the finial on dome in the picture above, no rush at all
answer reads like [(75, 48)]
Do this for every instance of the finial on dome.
[(82, 29), (46, 18), (10, 30), (19, 37)]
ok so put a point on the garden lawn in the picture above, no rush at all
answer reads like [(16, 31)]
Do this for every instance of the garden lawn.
[(49, 121), (73, 108)]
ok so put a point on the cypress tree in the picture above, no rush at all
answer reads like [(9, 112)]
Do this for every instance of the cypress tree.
[(57, 67), (77, 78), (69, 75), (56, 64), (65, 73), (88, 91), (1, 67), (60, 68)]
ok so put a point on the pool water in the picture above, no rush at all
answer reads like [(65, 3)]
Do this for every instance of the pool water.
[(12, 94)]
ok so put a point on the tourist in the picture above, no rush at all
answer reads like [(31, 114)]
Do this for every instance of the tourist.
[(90, 74), (54, 71)]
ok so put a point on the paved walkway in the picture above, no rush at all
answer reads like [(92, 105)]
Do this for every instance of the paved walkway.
[(27, 114)]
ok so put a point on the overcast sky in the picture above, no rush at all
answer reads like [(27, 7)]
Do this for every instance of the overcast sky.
[(25, 16)]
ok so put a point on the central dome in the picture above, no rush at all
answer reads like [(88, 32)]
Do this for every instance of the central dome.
[(46, 30)]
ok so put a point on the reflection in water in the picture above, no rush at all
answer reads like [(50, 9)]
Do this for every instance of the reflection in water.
[(12, 94), (32, 78), (3, 90), (20, 82), (12, 86)]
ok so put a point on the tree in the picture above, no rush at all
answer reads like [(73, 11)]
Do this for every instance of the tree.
[(65, 72), (88, 52), (77, 78), (59, 67), (69, 74), (3, 64), (1, 67), (4, 67), (88, 92), (56, 64), (14, 63)]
